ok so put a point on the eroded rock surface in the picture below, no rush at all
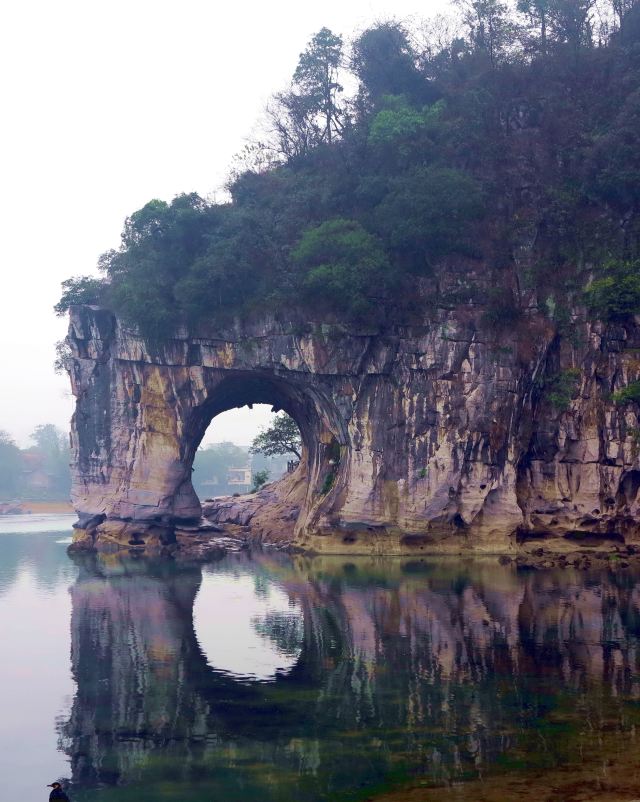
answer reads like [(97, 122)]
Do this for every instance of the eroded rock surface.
[(442, 437)]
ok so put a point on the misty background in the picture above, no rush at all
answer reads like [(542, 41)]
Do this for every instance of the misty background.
[(106, 106)]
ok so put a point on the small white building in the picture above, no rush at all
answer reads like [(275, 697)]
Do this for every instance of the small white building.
[(239, 476)]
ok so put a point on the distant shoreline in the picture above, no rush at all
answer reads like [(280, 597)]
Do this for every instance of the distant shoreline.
[(39, 508)]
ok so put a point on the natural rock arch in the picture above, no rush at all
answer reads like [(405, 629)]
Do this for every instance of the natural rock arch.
[(311, 409), (142, 413), (431, 437)]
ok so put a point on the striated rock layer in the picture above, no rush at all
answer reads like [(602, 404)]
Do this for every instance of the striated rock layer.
[(443, 437)]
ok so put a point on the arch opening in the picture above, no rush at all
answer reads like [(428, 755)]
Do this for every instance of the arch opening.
[(225, 463), (290, 492)]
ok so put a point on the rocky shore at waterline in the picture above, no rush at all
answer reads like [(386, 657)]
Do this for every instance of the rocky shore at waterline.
[(207, 542), (619, 557)]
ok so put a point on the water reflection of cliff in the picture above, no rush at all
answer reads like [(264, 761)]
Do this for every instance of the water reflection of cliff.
[(400, 668)]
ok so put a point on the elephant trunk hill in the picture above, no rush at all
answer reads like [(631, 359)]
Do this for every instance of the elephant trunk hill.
[(436, 273)]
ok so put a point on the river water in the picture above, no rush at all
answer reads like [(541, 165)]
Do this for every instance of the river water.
[(268, 677)]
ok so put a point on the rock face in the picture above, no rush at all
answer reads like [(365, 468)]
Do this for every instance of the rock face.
[(448, 436), (268, 516)]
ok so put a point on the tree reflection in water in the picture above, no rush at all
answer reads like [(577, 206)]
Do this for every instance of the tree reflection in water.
[(392, 669)]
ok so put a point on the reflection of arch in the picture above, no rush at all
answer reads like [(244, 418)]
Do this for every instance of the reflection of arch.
[(257, 647), (399, 652), (143, 681)]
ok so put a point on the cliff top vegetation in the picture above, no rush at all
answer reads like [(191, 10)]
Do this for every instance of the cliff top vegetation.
[(494, 163)]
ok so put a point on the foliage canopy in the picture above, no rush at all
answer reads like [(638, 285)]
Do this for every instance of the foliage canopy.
[(616, 294), (281, 437), (502, 160)]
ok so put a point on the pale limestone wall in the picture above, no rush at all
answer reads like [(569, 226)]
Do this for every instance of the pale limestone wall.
[(442, 435)]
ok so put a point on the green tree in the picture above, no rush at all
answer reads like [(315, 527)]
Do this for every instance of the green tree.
[(620, 9), (399, 125), (537, 13), (53, 444), (386, 64), (614, 160), (223, 276), (292, 120), (345, 267), (260, 478), (428, 212), (281, 437), (616, 295), (571, 22), (529, 171), (310, 112), (317, 79), (10, 466), (562, 388), (212, 464), (160, 242), (628, 394), (80, 290), (490, 28)]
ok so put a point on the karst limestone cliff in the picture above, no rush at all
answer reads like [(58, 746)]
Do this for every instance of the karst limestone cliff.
[(443, 437)]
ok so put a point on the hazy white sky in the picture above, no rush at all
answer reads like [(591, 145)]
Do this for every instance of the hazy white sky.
[(106, 105)]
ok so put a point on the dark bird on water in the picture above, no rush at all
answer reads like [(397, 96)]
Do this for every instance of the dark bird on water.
[(57, 793)]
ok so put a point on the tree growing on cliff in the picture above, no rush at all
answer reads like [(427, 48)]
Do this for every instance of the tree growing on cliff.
[(282, 437), (310, 112), (159, 242), (317, 78), (615, 296), (537, 14), (506, 159), (80, 290), (385, 64), (490, 28), (572, 23), (344, 267)]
